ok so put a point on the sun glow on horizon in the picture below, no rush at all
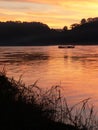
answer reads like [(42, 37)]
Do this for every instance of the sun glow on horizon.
[(56, 14)]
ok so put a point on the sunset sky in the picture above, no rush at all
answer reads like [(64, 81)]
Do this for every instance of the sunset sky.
[(55, 13)]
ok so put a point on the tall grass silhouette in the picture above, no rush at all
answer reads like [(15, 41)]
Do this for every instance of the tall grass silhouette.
[(30, 107)]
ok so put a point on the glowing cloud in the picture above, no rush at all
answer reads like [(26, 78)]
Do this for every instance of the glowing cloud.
[(55, 13)]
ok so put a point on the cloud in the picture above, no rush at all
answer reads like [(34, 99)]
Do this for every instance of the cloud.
[(52, 12), (54, 2)]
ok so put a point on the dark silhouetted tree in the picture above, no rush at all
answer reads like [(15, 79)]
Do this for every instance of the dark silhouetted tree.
[(89, 20), (65, 28), (95, 19), (74, 25), (83, 21)]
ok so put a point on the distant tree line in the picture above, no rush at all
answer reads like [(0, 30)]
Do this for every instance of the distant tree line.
[(86, 32), (19, 29), (37, 33), (84, 21)]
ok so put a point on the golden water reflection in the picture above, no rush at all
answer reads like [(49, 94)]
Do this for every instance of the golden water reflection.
[(75, 70)]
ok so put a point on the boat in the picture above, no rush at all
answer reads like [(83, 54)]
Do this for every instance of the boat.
[(66, 46)]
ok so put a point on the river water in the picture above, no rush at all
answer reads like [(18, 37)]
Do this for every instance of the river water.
[(74, 69)]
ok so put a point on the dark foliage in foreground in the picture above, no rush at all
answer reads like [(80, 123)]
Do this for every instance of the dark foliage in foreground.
[(21, 109), (30, 108)]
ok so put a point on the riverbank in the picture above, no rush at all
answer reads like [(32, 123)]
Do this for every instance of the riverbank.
[(30, 108), (46, 43)]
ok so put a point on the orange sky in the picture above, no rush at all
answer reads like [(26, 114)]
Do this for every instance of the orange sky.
[(55, 13)]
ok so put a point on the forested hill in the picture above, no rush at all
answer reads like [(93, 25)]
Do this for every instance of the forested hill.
[(86, 32), (36, 33)]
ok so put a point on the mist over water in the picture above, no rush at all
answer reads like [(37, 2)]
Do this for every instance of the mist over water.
[(76, 70)]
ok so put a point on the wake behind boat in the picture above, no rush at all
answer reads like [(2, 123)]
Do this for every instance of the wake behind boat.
[(66, 46)]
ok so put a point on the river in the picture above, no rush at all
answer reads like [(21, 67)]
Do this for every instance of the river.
[(74, 69)]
